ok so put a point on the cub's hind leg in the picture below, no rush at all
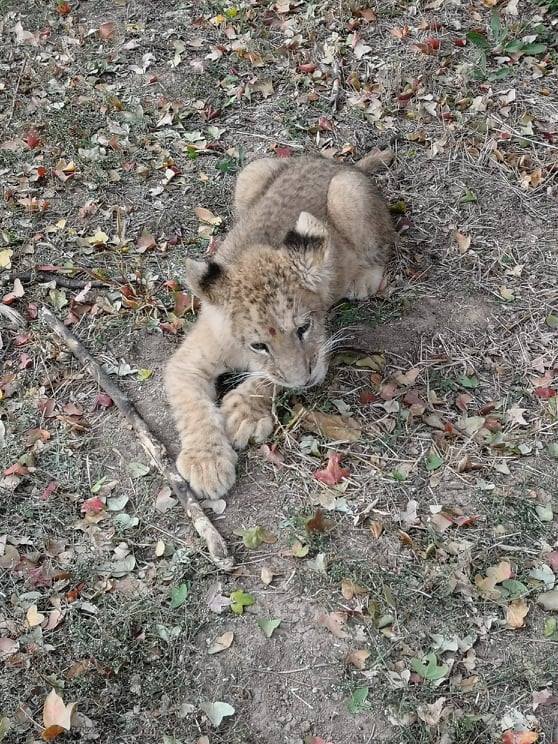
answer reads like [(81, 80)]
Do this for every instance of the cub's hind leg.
[(360, 214), (253, 181)]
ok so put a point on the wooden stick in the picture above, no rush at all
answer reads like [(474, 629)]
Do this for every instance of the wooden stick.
[(216, 545)]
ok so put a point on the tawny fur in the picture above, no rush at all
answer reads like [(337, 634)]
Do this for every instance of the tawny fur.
[(307, 232)]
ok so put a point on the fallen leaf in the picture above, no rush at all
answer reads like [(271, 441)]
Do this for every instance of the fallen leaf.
[(267, 575), (206, 215), (334, 622), (549, 600), (516, 612), (94, 505), (430, 714), (222, 643), (332, 427), (56, 713), (239, 600), (358, 658), (217, 711), (107, 30), (519, 737), (318, 523), (34, 617), (216, 601), (299, 550), (271, 454), (178, 595), (494, 575), (350, 589), (8, 647), (164, 501), (102, 400), (333, 473), (376, 528), (463, 241), (268, 627)]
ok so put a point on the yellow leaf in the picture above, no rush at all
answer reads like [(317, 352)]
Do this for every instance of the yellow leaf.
[(34, 617), (5, 256), (100, 238)]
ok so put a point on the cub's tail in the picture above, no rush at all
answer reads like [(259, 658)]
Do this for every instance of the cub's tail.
[(375, 160)]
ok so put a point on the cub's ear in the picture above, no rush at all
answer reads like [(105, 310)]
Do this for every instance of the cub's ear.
[(309, 250), (207, 280)]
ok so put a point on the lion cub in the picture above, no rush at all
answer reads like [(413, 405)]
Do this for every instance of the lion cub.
[(307, 233)]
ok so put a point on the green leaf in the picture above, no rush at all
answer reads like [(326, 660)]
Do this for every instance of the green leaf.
[(479, 40), (117, 503), (96, 487), (495, 26), (469, 197), (429, 671), (255, 536), (58, 298), (138, 469), (239, 600), (268, 627), (534, 48), (550, 627), (552, 321), (552, 449), (5, 726), (434, 461), (470, 382), (512, 47), (544, 512), (217, 711), (144, 374), (178, 596), (357, 701), (514, 588)]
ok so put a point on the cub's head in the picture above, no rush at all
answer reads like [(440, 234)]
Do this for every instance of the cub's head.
[(274, 300)]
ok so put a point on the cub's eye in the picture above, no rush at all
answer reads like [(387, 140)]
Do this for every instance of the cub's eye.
[(301, 330), (260, 348)]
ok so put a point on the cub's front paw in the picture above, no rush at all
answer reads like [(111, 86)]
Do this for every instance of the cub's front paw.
[(210, 472), (246, 417)]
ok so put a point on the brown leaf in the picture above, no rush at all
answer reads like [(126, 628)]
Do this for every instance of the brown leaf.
[(107, 30), (358, 658), (334, 622), (350, 589), (207, 216), (317, 523), (222, 643), (267, 575), (516, 612), (333, 473), (376, 528), (430, 714), (494, 575), (330, 426), (270, 453)]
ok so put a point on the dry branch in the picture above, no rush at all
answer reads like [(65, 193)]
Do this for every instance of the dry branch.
[(216, 546)]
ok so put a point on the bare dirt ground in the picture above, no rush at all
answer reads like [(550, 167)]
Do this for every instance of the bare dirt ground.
[(413, 599)]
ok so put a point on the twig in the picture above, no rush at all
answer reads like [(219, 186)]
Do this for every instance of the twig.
[(336, 86), (16, 91), (216, 545)]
